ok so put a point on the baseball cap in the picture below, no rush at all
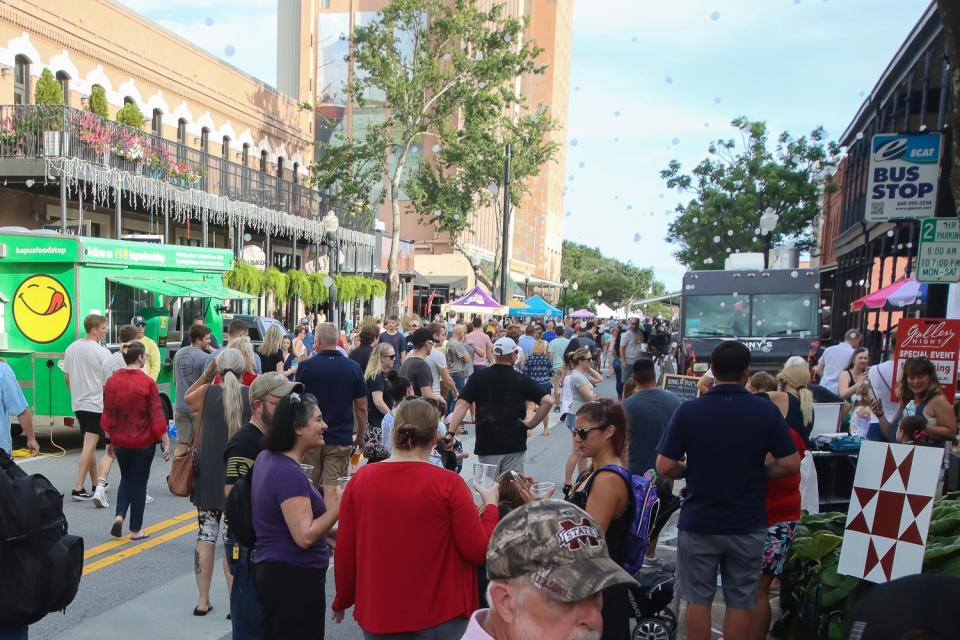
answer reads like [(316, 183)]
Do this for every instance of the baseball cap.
[(504, 346), (138, 321), (420, 336), (559, 546), (272, 384)]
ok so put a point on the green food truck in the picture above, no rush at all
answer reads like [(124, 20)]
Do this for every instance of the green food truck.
[(50, 282)]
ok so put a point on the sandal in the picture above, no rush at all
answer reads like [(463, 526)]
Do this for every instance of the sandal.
[(140, 537), (117, 529), (197, 612)]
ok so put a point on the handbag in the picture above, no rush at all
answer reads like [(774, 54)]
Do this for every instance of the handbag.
[(184, 467)]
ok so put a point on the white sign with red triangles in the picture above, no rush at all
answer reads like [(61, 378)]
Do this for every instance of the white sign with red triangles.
[(890, 509)]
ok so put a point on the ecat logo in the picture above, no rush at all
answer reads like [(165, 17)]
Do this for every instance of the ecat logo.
[(890, 150), (42, 308), (573, 535)]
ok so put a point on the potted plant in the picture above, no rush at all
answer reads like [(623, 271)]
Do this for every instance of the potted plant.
[(127, 145), (98, 101), (8, 133), (48, 94), (94, 132), (131, 116)]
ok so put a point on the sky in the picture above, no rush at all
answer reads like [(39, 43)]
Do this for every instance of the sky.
[(650, 81)]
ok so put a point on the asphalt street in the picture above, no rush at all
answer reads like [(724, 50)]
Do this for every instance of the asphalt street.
[(147, 589)]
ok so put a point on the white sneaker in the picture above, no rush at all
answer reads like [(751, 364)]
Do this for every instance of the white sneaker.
[(149, 499), (100, 497)]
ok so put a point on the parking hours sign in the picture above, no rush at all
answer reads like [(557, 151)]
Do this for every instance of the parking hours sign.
[(938, 259)]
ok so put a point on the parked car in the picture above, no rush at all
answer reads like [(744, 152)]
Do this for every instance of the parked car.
[(258, 326)]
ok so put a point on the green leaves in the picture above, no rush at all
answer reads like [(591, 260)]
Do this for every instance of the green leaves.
[(619, 281), (737, 181), (309, 287), (48, 90), (98, 102), (131, 116)]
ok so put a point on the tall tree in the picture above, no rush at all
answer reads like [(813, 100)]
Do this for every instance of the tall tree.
[(737, 182), (421, 60), (620, 283), (950, 17)]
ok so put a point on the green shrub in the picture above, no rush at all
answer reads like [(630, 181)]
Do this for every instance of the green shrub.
[(131, 116), (48, 90), (98, 102)]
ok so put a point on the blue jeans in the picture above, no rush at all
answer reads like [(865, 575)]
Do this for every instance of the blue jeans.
[(19, 633), (245, 613), (134, 473), (458, 381), (618, 371)]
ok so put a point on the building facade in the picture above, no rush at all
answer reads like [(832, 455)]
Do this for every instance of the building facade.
[(858, 257), (222, 159), (314, 40)]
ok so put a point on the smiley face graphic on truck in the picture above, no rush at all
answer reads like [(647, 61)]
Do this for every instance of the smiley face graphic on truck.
[(42, 308)]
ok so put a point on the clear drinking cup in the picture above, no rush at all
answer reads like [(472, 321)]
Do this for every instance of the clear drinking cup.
[(342, 481), (542, 489), (484, 475), (307, 469)]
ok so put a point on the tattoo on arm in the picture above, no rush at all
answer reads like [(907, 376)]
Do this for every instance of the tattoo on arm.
[(196, 562)]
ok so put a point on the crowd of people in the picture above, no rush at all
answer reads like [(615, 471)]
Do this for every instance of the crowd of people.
[(352, 448)]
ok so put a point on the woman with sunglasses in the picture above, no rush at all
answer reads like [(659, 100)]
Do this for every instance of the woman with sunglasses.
[(919, 390), (291, 520), (600, 433), (582, 381), (378, 376)]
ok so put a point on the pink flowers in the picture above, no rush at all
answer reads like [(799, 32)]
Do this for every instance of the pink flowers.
[(93, 132)]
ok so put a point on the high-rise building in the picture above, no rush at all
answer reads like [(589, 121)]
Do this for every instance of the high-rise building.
[(313, 43)]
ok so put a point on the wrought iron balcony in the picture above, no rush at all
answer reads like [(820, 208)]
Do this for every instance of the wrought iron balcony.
[(43, 131)]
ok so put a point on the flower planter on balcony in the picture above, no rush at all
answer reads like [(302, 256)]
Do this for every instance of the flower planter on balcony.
[(51, 143)]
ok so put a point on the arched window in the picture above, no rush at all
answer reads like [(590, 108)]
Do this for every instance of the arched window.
[(280, 168), (156, 125), (245, 156), (296, 173), (127, 100), (64, 81), (225, 148), (182, 131), (205, 140), (21, 80), (263, 161)]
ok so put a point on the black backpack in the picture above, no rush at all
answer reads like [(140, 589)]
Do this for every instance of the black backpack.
[(238, 511), (41, 563)]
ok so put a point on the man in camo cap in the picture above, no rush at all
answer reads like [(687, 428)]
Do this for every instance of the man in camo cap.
[(548, 565)]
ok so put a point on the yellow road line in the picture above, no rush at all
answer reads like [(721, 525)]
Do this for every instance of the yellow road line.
[(144, 545), (160, 526)]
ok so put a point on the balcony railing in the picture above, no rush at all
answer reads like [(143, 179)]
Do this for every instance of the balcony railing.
[(37, 131)]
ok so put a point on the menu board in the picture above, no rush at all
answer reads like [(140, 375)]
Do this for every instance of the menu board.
[(684, 386)]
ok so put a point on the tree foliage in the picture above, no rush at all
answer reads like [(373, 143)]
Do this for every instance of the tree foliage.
[(422, 60), (98, 102), (48, 90), (737, 181), (620, 282)]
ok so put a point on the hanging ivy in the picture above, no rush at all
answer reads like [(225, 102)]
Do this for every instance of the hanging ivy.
[(350, 288), (275, 282), (298, 284), (244, 277), (319, 293)]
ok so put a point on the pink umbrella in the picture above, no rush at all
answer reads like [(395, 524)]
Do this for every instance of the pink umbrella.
[(892, 297), (582, 313)]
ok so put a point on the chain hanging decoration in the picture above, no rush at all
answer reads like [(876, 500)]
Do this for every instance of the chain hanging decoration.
[(98, 183)]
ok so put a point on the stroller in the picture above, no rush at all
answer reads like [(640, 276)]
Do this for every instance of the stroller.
[(650, 602)]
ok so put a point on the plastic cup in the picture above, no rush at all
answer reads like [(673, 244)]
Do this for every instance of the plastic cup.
[(307, 470), (356, 457), (542, 489), (342, 481), (484, 475)]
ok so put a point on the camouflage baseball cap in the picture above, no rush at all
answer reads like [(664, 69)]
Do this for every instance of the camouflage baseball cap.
[(559, 546)]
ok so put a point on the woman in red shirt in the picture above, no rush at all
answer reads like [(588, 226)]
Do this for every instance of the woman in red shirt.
[(410, 538), (133, 418)]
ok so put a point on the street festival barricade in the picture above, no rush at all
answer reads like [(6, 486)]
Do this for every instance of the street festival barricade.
[(894, 528), (684, 386)]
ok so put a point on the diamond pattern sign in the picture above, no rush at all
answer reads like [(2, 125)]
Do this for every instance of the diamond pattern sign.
[(890, 510)]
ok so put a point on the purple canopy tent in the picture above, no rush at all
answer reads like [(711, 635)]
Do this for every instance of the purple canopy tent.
[(582, 313), (476, 301)]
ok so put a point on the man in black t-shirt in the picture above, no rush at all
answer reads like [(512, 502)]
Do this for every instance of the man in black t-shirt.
[(501, 395), (368, 339), (266, 392), (416, 369)]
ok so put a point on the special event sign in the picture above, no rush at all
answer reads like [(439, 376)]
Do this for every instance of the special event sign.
[(903, 178), (931, 338), (890, 509)]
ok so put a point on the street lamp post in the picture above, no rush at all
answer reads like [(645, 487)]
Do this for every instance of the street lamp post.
[(768, 222), (526, 285), (331, 224), (566, 285)]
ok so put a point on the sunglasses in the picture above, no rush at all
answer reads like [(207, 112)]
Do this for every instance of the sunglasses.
[(389, 355), (583, 433)]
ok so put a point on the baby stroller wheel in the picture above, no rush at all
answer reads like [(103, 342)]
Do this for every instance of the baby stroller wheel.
[(651, 629)]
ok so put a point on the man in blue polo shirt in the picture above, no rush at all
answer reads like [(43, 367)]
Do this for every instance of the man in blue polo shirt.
[(721, 443), (341, 393)]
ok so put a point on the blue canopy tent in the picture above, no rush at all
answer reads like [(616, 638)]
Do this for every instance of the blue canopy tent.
[(537, 307)]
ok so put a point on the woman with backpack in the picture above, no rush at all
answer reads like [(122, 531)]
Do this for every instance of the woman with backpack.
[(605, 492), (223, 408), (134, 420), (379, 376)]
